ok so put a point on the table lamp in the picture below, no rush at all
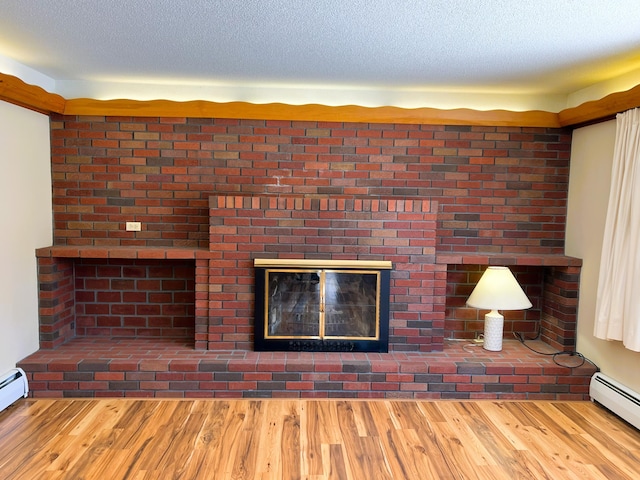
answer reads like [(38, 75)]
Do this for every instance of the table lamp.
[(497, 290)]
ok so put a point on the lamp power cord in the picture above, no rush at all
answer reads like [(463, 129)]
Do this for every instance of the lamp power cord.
[(555, 355)]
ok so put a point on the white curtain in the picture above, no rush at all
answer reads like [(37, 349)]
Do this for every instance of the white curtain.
[(618, 299)]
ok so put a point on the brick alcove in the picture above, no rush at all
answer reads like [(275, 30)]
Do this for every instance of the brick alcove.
[(552, 283), (119, 292)]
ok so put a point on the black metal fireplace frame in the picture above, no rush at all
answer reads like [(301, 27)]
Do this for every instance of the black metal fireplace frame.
[(264, 343)]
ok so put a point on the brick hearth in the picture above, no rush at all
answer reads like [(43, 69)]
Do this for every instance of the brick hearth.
[(104, 367)]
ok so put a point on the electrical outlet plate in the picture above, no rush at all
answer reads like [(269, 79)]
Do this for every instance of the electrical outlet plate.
[(133, 226)]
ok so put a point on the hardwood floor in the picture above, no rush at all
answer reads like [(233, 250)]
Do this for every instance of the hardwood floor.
[(314, 439)]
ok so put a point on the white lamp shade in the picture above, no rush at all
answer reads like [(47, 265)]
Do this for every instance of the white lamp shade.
[(498, 289)]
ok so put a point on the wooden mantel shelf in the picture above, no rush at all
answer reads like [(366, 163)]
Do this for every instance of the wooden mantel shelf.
[(504, 259), (168, 253)]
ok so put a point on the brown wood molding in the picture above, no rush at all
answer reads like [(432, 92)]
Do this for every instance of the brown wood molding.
[(323, 113), (14, 90), (604, 108)]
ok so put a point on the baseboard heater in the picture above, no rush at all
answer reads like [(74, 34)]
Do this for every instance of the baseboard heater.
[(621, 400), (13, 385)]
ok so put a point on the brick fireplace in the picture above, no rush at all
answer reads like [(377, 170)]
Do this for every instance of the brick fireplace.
[(439, 202), (330, 228)]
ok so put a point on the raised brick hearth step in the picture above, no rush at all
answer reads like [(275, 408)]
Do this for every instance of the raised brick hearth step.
[(102, 367)]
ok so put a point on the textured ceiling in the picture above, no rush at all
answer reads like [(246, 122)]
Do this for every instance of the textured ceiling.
[(496, 47)]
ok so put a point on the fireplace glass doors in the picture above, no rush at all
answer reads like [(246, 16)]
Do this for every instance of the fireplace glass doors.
[(327, 306)]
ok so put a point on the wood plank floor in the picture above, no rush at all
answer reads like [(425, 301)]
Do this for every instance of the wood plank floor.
[(111, 439)]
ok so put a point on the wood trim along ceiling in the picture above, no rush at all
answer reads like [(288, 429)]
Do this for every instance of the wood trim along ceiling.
[(313, 112), (14, 90)]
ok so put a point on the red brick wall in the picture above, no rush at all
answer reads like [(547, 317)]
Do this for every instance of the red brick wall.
[(560, 307), (500, 189), (56, 301), (135, 298)]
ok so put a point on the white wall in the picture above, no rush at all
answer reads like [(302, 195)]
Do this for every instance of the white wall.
[(589, 184), (25, 224)]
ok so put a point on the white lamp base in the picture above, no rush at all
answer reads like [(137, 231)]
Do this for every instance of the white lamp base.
[(493, 326)]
